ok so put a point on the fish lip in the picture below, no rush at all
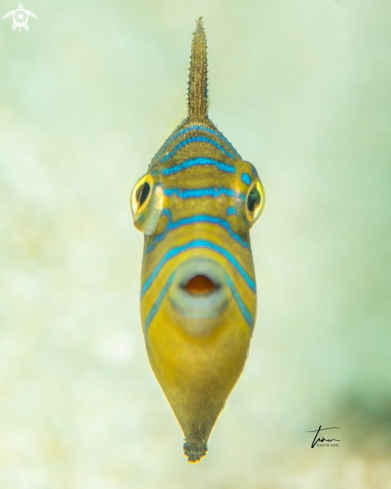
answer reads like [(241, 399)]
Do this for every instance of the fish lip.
[(206, 305)]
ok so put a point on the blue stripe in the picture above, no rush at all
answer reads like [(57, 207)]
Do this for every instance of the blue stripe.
[(196, 128), (199, 161), (194, 193), (192, 220), (231, 211), (196, 140), (158, 301), (246, 178), (243, 309), (198, 243)]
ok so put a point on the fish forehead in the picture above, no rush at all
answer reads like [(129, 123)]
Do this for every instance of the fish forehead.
[(205, 190), (182, 143), (197, 161)]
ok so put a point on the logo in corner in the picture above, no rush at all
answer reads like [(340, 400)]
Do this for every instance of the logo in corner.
[(20, 17), (323, 442)]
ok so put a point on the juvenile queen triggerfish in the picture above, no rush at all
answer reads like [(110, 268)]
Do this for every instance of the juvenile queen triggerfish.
[(195, 207)]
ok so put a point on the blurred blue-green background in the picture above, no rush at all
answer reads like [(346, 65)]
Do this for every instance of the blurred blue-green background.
[(302, 88)]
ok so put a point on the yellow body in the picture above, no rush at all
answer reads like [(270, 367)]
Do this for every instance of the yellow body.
[(195, 206)]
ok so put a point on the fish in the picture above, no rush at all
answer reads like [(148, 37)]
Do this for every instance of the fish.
[(195, 206)]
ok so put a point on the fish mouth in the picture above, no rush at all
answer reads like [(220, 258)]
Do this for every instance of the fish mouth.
[(200, 285), (199, 289)]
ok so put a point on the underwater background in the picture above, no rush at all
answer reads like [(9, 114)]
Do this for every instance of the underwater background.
[(302, 89)]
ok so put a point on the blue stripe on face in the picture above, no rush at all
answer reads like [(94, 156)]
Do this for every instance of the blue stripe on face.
[(199, 161), (200, 243), (231, 211), (192, 220), (196, 140), (246, 178), (158, 301), (198, 128), (194, 193), (243, 309)]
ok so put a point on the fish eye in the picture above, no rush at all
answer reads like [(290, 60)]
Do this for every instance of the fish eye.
[(255, 201), (140, 193), (146, 203)]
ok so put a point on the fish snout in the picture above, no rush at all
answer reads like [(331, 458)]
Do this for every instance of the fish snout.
[(199, 290)]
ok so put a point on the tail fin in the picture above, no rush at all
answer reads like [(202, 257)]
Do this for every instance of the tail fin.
[(195, 450), (198, 91)]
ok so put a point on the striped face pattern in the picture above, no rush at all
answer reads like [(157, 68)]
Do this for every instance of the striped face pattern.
[(195, 207)]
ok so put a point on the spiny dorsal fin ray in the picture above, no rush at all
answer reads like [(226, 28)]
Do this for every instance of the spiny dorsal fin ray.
[(198, 78)]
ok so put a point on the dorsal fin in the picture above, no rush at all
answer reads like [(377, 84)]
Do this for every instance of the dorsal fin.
[(198, 79)]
